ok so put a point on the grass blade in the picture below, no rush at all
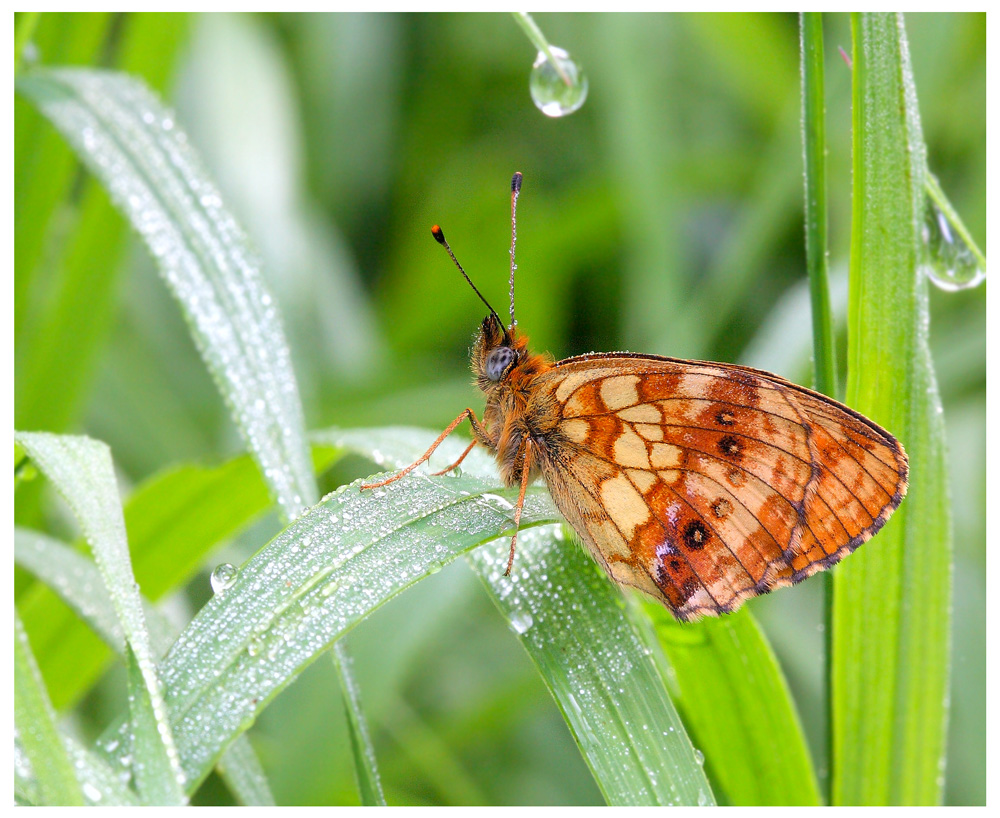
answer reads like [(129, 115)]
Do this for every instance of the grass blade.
[(81, 470), (571, 621), (78, 582), (241, 770), (738, 707), (173, 521), (132, 143), (817, 248), (100, 785), (72, 288), (366, 770), (892, 600), (153, 767), (52, 778), (303, 591), (573, 625), (814, 149)]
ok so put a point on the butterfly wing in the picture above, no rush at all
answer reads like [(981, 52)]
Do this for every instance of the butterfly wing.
[(704, 484)]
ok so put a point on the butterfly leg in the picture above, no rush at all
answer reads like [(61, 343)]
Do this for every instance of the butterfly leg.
[(477, 429), (458, 462), (525, 472)]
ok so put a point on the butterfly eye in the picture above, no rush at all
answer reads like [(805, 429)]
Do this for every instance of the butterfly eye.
[(498, 361)]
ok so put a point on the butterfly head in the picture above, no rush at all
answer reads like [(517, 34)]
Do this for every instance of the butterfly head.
[(496, 353), (500, 353), (501, 358)]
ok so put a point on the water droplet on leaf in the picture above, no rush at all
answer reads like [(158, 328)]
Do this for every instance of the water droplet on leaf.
[(558, 86), (521, 621), (223, 577)]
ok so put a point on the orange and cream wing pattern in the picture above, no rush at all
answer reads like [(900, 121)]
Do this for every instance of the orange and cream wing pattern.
[(705, 484)]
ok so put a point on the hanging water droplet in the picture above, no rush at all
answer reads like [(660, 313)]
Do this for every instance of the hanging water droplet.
[(223, 577), (557, 89), (951, 264)]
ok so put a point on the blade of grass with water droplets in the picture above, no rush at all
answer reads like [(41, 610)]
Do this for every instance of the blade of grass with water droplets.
[(572, 623), (99, 784), (81, 469), (133, 144), (48, 772), (152, 771), (78, 582), (309, 586), (173, 520)]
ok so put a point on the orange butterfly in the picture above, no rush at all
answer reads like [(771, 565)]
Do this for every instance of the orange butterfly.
[(700, 484)]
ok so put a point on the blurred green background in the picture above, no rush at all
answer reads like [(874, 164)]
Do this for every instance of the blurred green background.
[(665, 216)]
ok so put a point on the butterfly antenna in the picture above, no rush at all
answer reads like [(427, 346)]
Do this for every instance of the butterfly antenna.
[(438, 234), (515, 189)]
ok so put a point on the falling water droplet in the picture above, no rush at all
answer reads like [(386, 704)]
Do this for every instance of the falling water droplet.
[(951, 264), (557, 90), (223, 577)]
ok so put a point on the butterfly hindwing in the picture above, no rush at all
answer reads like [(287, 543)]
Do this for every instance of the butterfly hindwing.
[(705, 484)]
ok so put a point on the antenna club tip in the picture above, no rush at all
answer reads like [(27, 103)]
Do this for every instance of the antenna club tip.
[(438, 234), (515, 183)]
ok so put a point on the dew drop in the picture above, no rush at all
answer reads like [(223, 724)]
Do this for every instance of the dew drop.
[(699, 756), (223, 577), (557, 90), (30, 55), (521, 621), (93, 794), (951, 264)]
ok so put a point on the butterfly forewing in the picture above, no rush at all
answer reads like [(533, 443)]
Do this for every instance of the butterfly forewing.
[(705, 484)]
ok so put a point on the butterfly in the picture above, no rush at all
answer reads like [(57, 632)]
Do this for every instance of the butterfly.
[(700, 484)]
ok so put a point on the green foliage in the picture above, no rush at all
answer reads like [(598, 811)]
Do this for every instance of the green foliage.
[(665, 216), (45, 775), (590, 655), (738, 708)]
